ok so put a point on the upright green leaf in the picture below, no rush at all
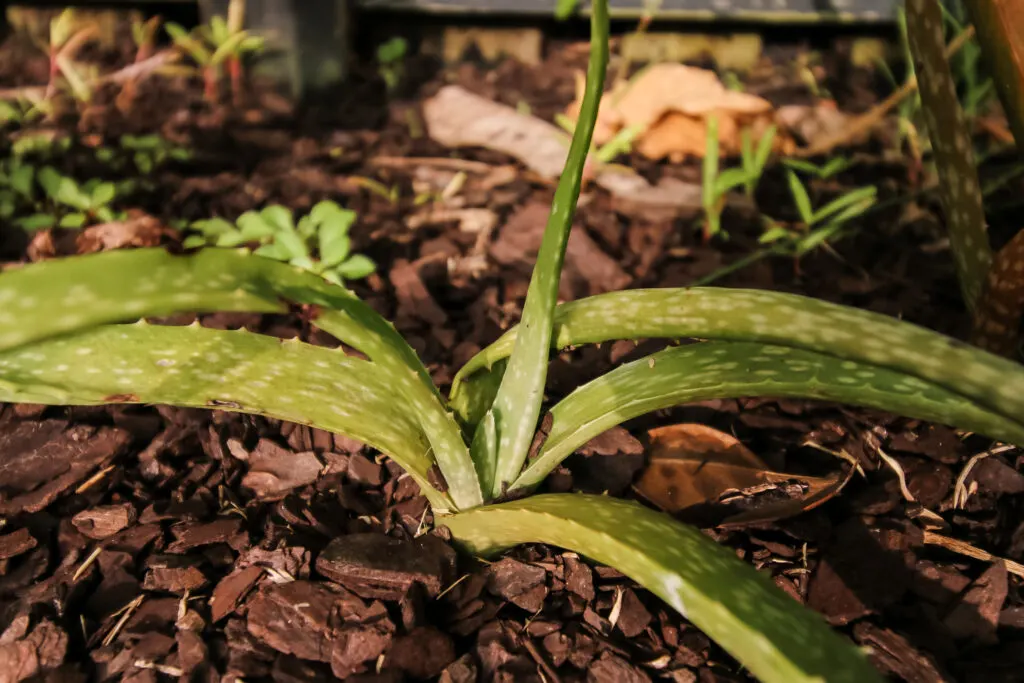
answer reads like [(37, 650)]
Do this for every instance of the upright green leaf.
[(951, 143), (770, 633), (714, 370), (800, 198), (784, 320), (499, 450)]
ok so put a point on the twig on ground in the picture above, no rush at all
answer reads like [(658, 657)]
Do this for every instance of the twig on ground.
[(130, 72), (868, 120), (969, 550)]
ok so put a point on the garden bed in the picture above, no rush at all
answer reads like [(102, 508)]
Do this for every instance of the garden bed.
[(145, 543)]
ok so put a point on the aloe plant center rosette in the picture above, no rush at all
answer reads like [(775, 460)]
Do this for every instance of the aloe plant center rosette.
[(64, 340)]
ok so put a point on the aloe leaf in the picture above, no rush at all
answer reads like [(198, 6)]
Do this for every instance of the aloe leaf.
[(952, 147), (1000, 27), (92, 290), (517, 405), (785, 320), (238, 371), (712, 370), (770, 633)]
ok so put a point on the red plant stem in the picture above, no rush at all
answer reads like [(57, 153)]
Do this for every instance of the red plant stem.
[(210, 90), (54, 71), (235, 71)]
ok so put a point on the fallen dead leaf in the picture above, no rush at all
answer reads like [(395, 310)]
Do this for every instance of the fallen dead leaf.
[(670, 104), (694, 465), (138, 229)]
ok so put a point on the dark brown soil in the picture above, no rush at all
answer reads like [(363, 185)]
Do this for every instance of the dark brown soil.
[(149, 544)]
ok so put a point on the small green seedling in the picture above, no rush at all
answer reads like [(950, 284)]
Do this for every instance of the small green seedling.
[(319, 243), (829, 169), (975, 86), (213, 45), (19, 112), (66, 38), (818, 226), (715, 185), (149, 152), (755, 158), (480, 454), (72, 205), (17, 186), (390, 61)]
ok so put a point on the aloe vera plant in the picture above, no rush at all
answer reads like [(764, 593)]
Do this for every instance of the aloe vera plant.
[(479, 454), (991, 285)]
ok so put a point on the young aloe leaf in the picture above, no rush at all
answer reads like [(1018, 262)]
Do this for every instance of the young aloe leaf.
[(713, 370), (772, 635), (785, 320), (238, 371), (92, 288), (1001, 306), (951, 143), (517, 405)]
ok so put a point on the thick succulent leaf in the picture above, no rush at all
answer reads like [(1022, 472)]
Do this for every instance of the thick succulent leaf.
[(1000, 28), (237, 371), (500, 449), (770, 633), (120, 286), (951, 143), (1001, 305), (785, 320), (710, 370)]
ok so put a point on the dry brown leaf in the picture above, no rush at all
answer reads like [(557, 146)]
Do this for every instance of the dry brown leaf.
[(670, 104), (694, 465)]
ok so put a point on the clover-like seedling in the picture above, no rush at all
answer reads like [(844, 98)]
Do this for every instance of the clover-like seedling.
[(66, 202), (480, 454), (390, 56), (319, 242), (17, 186)]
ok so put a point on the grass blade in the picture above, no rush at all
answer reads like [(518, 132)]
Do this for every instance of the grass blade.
[(772, 635), (513, 415), (712, 370), (237, 371), (92, 289), (785, 320), (951, 144)]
